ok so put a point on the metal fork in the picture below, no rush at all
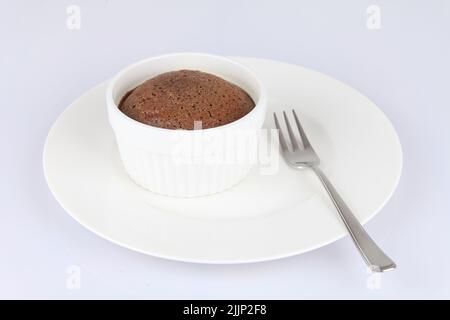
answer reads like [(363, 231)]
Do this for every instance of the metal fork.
[(305, 157)]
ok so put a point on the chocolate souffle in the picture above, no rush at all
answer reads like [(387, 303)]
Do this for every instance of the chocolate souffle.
[(177, 99)]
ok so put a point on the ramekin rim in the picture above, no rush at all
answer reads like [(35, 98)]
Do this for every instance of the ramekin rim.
[(262, 99)]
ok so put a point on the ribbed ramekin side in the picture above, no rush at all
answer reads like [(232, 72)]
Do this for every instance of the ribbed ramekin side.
[(160, 174)]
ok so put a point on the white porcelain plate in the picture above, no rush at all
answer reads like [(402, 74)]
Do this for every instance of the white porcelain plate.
[(266, 216)]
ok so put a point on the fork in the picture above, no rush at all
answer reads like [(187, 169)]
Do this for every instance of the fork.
[(305, 157)]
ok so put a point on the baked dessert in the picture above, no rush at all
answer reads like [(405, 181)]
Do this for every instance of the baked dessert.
[(178, 99)]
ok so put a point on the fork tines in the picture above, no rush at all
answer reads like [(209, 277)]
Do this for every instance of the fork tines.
[(294, 144)]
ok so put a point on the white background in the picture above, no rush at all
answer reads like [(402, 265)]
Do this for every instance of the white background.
[(403, 67)]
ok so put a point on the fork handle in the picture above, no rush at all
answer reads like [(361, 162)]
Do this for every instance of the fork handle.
[(375, 258)]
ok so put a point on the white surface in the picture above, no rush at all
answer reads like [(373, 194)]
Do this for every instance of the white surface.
[(163, 160), (403, 68), (266, 216)]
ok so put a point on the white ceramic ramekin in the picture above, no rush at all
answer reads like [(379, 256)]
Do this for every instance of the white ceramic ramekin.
[(186, 163)]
